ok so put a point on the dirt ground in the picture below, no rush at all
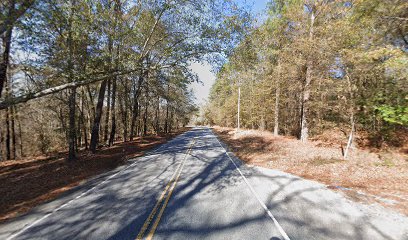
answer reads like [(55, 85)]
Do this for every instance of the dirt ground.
[(29, 182), (367, 175)]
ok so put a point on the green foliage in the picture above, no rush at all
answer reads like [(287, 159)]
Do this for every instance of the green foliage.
[(394, 114)]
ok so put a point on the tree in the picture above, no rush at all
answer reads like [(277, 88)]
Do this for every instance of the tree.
[(87, 64), (326, 63), (10, 12)]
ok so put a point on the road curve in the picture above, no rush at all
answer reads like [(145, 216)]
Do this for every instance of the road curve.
[(192, 188)]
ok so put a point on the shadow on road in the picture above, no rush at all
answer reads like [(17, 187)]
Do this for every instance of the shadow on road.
[(210, 198)]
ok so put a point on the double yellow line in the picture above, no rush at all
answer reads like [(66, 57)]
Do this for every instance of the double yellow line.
[(168, 189)]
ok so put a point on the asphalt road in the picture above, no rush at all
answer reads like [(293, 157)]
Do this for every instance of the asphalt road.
[(191, 188)]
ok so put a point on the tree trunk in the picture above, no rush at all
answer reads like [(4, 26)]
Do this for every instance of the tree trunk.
[(135, 112), (276, 126), (8, 141), (63, 123), (72, 97), (304, 130), (145, 122), (84, 119), (3, 81), (6, 53), (239, 106), (72, 128), (124, 107), (85, 131), (79, 125), (1, 143), (158, 115), (350, 140), (277, 99), (113, 120), (13, 133), (106, 130), (146, 110), (351, 112), (166, 121), (139, 121), (123, 116), (262, 122), (97, 120), (20, 133)]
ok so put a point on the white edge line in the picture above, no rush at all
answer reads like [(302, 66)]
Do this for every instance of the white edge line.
[(282, 232), (25, 228)]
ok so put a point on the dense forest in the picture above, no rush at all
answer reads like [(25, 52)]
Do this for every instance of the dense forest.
[(82, 74), (318, 65)]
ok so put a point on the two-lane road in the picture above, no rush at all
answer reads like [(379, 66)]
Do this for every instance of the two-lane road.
[(191, 188)]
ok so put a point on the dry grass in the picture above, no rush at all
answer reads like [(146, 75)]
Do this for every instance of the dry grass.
[(32, 181), (380, 176)]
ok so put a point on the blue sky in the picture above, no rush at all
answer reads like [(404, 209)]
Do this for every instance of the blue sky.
[(203, 69), (258, 5)]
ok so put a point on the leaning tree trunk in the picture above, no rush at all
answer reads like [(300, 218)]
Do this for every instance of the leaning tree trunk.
[(97, 120), (304, 130)]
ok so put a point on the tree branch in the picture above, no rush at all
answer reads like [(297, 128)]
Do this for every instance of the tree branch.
[(8, 102)]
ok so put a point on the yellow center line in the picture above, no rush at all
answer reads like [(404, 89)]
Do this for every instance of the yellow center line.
[(171, 183), (151, 215), (156, 223)]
